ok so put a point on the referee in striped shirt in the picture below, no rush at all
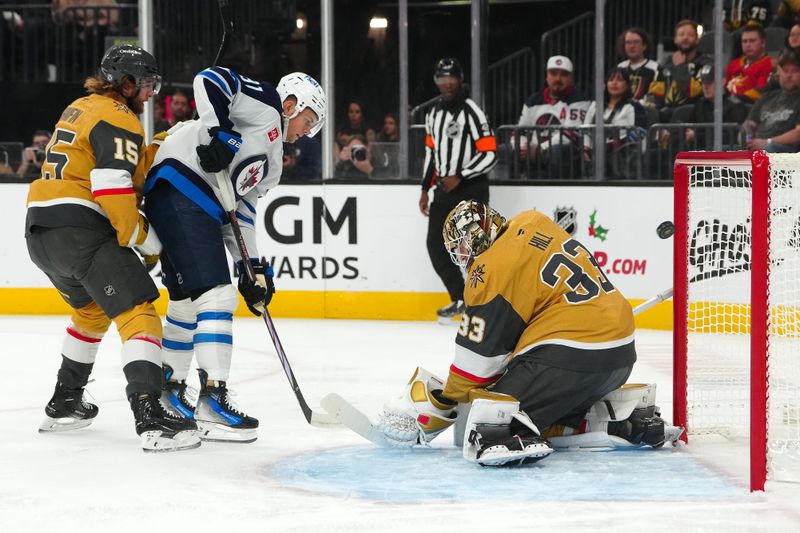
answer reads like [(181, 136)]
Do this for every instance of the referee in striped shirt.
[(460, 150)]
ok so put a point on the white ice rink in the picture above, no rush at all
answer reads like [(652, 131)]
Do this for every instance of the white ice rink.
[(300, 478)]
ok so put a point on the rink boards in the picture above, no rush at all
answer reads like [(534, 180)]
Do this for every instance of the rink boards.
[(358, 251)]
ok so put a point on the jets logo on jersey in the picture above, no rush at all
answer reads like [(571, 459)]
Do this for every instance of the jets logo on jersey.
[(249, 178), (476, 276), (273, 134)]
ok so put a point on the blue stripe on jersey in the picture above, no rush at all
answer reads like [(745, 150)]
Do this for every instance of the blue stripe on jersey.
[(217, 79), (229, 76), (249, 206), (214, 315), (213, 337), (245, 219), (220, 104), (177, 346), (189, 184), (184, 325)]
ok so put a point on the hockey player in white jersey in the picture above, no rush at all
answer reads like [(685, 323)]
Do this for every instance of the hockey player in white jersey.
[(241, 129)]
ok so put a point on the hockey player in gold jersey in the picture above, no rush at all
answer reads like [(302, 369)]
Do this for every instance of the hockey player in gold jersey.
[(82, 227), (544, 338)]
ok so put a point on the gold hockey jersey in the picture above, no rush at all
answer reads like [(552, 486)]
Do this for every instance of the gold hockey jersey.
[(534, 285), (93, 172)]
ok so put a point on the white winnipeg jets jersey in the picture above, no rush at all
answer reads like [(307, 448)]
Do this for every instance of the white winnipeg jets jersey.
[(252, 109)]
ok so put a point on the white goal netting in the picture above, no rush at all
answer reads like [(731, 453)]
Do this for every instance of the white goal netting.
[(718, 359)]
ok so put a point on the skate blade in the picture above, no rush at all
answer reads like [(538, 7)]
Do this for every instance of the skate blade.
[(514, 458), (55, 425), (449, 321), (155, 442), (213, 432)]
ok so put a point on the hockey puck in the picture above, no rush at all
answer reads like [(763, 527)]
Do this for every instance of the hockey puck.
[(666, 229)]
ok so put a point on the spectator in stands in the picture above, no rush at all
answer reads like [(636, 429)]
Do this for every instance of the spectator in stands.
[(624, 115), (302, 160), (180, 107), (391, 129), (787, 14), (552, 151), (385, 153), (793, 39), (159, 120), (733, 111), (740, 13), (747, 75), (679, 84), (354, 125), (33, 156), (774, 122), (354, 159), (634, 45)]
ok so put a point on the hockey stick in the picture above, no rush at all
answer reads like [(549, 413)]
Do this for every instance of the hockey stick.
[(657, 299), (350, 417), (227, 199)]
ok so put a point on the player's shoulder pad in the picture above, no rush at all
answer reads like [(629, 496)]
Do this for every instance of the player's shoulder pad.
[(116, 114)]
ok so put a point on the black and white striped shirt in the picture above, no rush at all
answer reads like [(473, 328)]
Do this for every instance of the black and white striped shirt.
[(458, 141)]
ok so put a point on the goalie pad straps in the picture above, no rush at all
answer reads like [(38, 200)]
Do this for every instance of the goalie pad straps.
[(494, 416), (618, 405)]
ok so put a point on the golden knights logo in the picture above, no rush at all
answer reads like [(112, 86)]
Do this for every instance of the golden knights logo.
[(566, 217), (476, 276)]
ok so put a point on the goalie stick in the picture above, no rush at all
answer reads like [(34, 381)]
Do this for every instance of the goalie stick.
[(353, 419), (227, 199)]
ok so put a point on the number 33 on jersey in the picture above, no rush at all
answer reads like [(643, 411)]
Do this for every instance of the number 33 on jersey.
[(534, 285)]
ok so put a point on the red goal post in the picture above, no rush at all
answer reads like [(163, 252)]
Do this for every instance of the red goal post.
[(737, 304)]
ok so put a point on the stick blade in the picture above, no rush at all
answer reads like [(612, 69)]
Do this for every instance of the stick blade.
[(324, 420), (353, 419)]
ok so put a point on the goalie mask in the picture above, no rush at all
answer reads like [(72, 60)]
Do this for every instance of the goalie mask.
[(308, 92), (469, 230)]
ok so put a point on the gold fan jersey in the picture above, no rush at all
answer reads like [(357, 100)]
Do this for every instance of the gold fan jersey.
[(534, 285), (93, 172)]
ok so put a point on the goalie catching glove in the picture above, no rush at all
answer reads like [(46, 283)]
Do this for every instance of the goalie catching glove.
[(258, 294), (419, 414)]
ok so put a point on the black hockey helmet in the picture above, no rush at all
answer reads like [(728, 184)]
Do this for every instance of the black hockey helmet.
[(448, 66), (128, 60)]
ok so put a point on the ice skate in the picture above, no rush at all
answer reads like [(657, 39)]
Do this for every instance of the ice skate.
[(452, 311), (177, 397), (219, 418), (160, 430), (67, 410)]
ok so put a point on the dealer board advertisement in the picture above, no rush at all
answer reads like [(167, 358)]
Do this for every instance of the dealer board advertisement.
[(371, 238)]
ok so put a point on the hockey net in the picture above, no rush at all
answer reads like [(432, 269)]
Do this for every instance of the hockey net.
[(737, 304)]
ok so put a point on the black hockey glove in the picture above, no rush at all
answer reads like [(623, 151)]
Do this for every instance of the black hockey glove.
[(257, 295), (219, 153)]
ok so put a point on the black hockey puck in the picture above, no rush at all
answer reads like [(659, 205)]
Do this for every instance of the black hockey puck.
[(666, 229)]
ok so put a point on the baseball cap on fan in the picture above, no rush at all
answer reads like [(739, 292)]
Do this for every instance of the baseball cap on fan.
[(559, 63)]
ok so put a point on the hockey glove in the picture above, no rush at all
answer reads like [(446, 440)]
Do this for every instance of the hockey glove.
[(419, 414), (258, 294), (219, 153), (147, 243)]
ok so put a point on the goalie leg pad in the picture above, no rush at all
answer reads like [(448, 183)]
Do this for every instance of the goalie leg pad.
[(488, 440)]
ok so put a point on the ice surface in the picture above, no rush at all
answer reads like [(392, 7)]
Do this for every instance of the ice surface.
[(300, 478)]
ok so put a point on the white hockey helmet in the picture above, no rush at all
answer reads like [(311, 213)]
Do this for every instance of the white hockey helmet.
[(469, 230), (308, 92)]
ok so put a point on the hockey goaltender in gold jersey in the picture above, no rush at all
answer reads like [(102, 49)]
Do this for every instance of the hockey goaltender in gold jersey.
[(542, 353)]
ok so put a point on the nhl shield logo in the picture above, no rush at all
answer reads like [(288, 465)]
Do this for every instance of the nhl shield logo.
[(453, 129), (566, 217)]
